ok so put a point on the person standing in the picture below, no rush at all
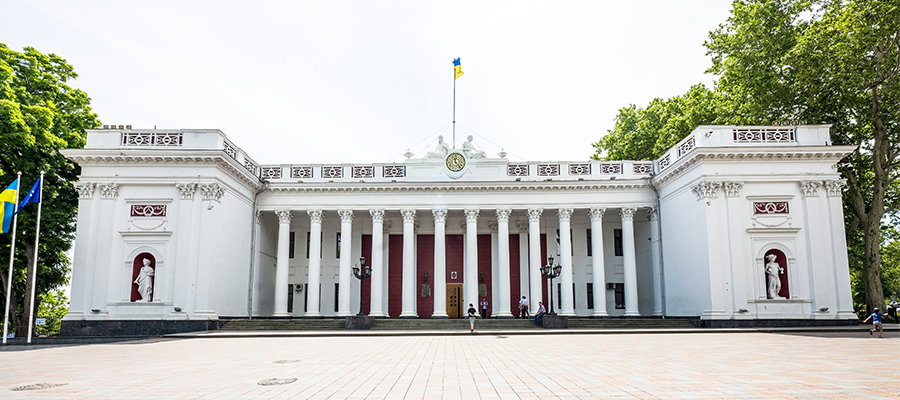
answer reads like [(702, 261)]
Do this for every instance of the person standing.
[(539, 315), (472, 313), (877, 324), (523, 308), (484, 305)]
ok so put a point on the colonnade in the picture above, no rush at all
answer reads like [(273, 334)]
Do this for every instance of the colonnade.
[(470, 268)]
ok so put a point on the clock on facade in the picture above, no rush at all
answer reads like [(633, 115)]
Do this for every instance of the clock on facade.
[(455, 162)]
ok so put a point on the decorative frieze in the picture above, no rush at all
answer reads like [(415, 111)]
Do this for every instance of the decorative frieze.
[(148, 210), (363, 171), (548, 169), (771, 207), (212, 191), (686, 146), (580, 169), (269, 173), (810, 188), (764, 135), (517, 170), (186, 190), (302, 172), (706, 190), (284, 216), (611, 168), (834, 188), (664, 162), (332, 172), (394, 171), (642, 168), (249, 166), (152, 139), (85, 189), (108, 190), (229, 149), (733, 189)]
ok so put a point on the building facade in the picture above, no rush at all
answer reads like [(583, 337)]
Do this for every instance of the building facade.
[(734, 225)]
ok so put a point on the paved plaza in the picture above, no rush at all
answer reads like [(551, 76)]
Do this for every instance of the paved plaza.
[(487, 365)]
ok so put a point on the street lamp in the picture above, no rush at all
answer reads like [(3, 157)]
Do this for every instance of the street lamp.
[(362, 273), (551, 271)]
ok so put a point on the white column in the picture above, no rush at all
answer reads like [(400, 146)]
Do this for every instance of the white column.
[(495, 271), (409, 264), (470, 273), (346, 263), (534, 255), (654, 260), (631, 295), (385, 261), (282, 263), (377, 263), (565, 249), (257, 255), (315, 263), (503, 253), (440, 264), (522, 228), (598, 269)]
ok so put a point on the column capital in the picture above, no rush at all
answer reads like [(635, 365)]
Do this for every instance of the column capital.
[(212, 191), (346, 215), (833, 188), (315, 216), (386, 227), (627, 214), (85, 189), (186, 190), (733, 189), (652, 214), (565, 214), (409, 216), (534, 214), (472, 215), (377, 215), (706, 190), (440, 215), (596, 213), (108, 190), (259, 217), (523, 226), (284, 216), (503, 215), (810, 188), (493, 226)]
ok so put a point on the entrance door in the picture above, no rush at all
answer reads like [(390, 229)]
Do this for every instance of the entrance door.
[(454, 294)]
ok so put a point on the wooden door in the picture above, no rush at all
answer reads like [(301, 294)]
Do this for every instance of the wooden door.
[(454, 294)]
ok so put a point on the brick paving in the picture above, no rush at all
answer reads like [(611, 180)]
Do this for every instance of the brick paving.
[(745, 365)]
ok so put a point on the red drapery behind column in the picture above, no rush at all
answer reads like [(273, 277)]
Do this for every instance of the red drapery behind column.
[(395, 275), (424, 264), (366, 251)]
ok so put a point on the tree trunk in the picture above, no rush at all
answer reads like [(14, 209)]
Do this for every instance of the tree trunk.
[(872, 267), (22, 320), (13, 302)]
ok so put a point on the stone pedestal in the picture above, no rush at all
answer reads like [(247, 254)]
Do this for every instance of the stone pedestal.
[(357, 323), (555, 321)]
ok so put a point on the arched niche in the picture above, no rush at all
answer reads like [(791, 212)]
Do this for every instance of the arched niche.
[(780, 259), (137, 264)]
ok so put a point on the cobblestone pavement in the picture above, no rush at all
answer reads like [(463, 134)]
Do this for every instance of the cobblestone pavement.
[(813, 365)]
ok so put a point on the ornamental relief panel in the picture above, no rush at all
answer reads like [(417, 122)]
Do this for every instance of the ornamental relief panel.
[(771, 214), (149, 216)]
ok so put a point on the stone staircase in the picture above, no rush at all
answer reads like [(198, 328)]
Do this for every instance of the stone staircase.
[(429, 324)]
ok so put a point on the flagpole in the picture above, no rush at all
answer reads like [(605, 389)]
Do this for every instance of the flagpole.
[(37, 237), (454, 108), (12, 253)]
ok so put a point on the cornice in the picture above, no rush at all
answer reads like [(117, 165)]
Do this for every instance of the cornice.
[(718, 154), (400, 187)]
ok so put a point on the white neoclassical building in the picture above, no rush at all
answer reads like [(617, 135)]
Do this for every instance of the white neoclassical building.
[(735, 226)]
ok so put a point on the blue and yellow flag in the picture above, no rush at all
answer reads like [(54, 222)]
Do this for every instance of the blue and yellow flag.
[(33, 196), (8, 199), (457, 69)]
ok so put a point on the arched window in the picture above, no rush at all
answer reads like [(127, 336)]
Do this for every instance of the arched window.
[(775, 266)]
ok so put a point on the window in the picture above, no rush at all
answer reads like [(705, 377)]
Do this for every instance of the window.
[(291, 245), (617, 237), (305, 296), (290, 297), (589, 246), (337, 246), (620, 296), (559, 294), (590, 292), (337, 291)]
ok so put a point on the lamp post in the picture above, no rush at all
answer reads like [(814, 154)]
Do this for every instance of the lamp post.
[(551, 271), (362, 273)]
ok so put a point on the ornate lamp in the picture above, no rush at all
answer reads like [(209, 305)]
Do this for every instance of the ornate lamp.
[(551, 271), (362, 273)]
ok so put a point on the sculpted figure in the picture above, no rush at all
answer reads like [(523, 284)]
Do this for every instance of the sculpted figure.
[(470, 150), (145, 281), (772, 277), (441, 150)]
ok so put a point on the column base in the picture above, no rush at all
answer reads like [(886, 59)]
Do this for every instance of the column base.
[(600, 314), (442, 316), (503, 315), (281, 314), (377, 314), (343, 314), (408, 315), (632, 314)]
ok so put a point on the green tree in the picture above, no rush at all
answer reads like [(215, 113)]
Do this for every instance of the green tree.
[(834, 62), (39, 115), (54, 306)]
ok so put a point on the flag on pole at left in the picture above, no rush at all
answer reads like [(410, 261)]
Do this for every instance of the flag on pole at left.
[(33, 196), (8, 203), (457, 69)]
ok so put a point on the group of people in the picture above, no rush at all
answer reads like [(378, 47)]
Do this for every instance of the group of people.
[(523, 312)]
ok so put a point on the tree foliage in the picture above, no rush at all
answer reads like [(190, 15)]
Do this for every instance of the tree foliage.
[(39, 115), (54, 306), (834, 62)]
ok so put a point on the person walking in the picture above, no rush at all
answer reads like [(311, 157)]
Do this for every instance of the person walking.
[(539, 315), (877, 324), (472, 313), (523, 308)]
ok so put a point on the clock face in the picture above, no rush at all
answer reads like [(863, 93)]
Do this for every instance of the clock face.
[(456, 162)]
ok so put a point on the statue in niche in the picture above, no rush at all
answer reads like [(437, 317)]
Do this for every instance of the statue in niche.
[(773, 280), (470, 150), (441, 150), (145, 281)]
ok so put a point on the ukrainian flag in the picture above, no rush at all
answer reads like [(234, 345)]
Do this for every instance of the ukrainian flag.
[(457, 69), (8, 199)]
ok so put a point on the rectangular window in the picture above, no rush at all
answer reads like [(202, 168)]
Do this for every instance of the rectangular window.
[(337, 290), (617, 236), (587, 237), (337, 246), (290, 298), (590, 294), (620, 296), (291, 245), (559, 295), (305, 296)]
